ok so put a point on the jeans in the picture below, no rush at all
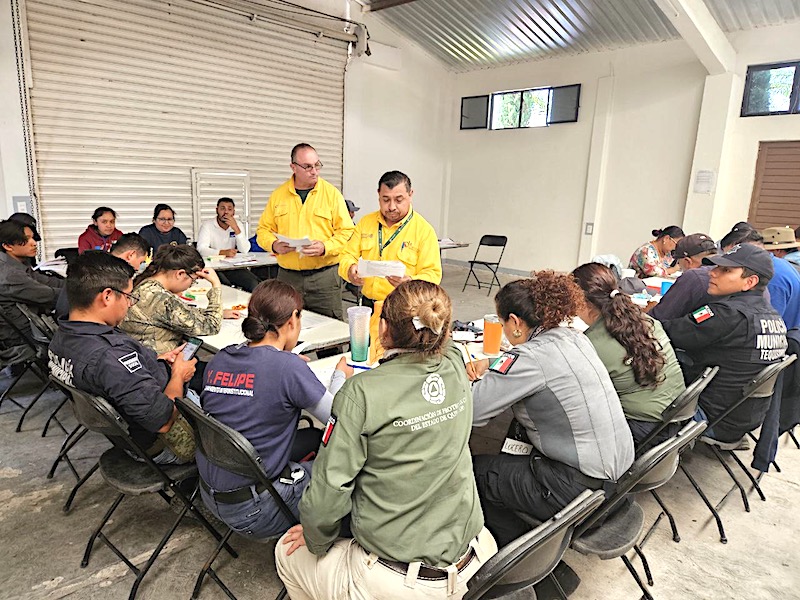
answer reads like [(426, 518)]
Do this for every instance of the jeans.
[(259, 518)]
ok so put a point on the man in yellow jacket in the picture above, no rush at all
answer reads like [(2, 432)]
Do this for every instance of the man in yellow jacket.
[(308, 206), (395, 232)]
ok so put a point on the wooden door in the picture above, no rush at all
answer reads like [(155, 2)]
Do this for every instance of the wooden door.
[(776, 191)]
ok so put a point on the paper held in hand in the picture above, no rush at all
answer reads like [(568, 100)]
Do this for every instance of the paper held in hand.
[(380, 268), (293, 242)]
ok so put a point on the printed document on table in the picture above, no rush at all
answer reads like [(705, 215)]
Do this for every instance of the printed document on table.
[(293, 242), (309, 320), (380, 268)]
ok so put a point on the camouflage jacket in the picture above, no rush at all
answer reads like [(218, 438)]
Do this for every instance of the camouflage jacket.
[(160, 319)]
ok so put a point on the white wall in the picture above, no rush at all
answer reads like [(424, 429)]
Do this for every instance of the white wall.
[(737, 172), (13, 173), (531, 184), (397, 119)]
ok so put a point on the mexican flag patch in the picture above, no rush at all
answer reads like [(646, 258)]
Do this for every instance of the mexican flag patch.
[(502, 364), (702, 314)]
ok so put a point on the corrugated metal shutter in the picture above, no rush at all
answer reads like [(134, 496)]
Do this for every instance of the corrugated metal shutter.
[(776, 191), (210, 186), (129, 95)]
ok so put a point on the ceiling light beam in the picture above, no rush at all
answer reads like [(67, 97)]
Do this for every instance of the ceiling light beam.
[(381, 4)]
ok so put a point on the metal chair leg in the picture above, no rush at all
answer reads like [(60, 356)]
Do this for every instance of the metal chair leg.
[(742, 491), (282, 594), (790, 432), (645, 564), (97, 531), (722, 537), (30, 406), (208, 570), (81, 481), (54, 417), (635, 576), (749, 475), (69, 443), (675, 535), (7, 391), (561, 593)]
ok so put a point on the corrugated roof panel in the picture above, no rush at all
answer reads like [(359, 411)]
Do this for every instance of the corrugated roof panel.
[(474, 34)]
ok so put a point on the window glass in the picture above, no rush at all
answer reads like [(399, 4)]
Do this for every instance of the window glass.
[(770, 90), (534, 107), (505, 110)]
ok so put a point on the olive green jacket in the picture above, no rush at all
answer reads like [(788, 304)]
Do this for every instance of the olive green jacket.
[(397, 460), (639, 403)]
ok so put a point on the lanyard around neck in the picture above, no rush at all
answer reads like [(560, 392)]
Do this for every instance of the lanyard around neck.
[(381, 245)]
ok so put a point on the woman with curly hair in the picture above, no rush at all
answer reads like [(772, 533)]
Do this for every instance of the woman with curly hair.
[(561, 394), (634, 349)]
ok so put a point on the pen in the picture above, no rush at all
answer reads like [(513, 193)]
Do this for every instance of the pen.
[(470, 357), (362, 367)]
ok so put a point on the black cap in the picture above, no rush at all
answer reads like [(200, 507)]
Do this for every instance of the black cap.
[(749, 256), (28, 221), (692, 245), (351, 206)]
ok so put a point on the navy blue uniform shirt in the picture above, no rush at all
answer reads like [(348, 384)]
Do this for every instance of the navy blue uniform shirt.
[(107, 362)]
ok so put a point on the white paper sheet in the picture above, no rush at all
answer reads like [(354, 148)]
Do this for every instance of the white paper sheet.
[(241, 260), (380, 268), (310, 320), (293, 242)]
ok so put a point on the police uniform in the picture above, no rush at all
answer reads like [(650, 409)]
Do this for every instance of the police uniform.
[(105, 362), (322, 215), (741, 334), (160, 319), (562, 394), (259, 391), (395, 458), (412, 242)]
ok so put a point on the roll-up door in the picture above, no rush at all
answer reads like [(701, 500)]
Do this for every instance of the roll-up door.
[(129, 96)]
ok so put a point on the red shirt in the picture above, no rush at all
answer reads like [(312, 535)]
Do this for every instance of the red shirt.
[(92, 240)]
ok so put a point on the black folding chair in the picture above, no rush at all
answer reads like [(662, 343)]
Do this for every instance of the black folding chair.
[(532, 556), (762, 386), (621, 519), (229, 450), (130, 476), (36, 344), (70, 254), (490, 241), (681, 409)]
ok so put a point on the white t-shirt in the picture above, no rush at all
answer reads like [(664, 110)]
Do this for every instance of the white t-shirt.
[(212, 238)]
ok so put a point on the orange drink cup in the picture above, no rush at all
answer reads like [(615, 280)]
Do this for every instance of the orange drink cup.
[(492, 334)]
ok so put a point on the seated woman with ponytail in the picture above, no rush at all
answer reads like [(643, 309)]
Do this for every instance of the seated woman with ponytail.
[(159, 319), (561, 394), (634, 348), (259, 388)]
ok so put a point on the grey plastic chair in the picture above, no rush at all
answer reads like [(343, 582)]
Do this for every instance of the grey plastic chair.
[(131, 477), (533, 556), (620, 518), (229, 450)]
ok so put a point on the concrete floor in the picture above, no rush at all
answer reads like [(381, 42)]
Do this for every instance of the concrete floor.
[(42, 546)]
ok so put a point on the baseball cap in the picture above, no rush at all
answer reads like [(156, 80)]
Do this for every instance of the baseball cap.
[(779, 238), (28, 221), (749, 256), (351, 206), (692, 245)]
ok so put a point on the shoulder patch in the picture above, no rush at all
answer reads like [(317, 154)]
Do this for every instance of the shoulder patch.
[(503, 363), (326, 435), (131, 362), (702, 314)]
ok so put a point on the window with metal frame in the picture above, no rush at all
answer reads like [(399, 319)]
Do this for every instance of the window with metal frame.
[(772, 89), (518, 109)]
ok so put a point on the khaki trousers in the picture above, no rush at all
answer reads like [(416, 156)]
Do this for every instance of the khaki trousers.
[(322, 291), (348, 572)]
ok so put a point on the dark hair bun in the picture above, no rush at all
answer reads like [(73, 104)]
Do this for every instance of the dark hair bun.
[(253, 329), (657, 232)]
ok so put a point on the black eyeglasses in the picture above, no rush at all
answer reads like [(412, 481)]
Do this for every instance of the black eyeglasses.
[(131, 298), (308, 168)]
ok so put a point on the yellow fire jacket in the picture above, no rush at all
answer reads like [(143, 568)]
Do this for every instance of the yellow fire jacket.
[(322, 217)]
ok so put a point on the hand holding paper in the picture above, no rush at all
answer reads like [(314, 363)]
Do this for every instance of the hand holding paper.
[(380, 268), (293, 242)]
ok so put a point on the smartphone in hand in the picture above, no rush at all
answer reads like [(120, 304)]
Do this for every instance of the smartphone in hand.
[(191, 348)]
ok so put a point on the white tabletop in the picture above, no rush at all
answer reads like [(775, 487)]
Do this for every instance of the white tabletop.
[(448, 244), (318, 331), (241, 261)]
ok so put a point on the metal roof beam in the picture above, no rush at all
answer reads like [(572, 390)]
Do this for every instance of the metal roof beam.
[(701, 31), (381, 4)]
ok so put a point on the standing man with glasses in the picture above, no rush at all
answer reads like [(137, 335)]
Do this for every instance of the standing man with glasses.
[(308, 206)]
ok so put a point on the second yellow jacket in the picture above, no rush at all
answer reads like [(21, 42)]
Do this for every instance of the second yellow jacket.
[(416, 247)]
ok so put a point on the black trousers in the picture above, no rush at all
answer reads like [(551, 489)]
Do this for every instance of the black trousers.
[(533, 485), (242, 278)]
